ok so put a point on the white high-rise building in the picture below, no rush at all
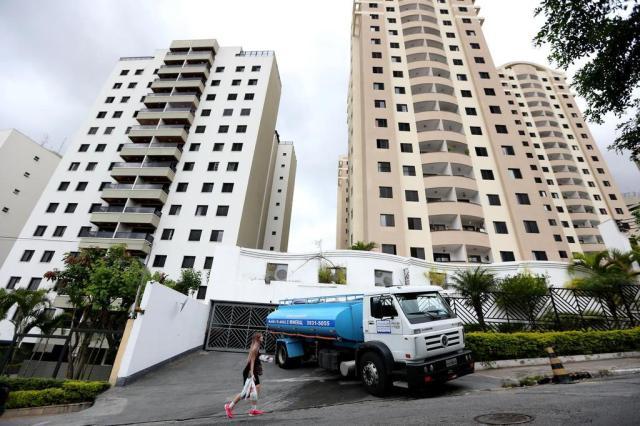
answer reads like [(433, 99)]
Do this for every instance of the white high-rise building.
[(178, 158), (25, 169)]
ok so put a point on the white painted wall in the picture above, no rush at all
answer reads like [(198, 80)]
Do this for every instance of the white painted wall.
[(171, 324), (613, 238)]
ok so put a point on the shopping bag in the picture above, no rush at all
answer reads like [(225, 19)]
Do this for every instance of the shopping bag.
[(249, 391)]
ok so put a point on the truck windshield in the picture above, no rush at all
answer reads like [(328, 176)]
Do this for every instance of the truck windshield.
[(424, 307)]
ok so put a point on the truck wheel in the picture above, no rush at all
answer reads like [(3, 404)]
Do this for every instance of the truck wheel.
[(374, 374), (283, 360)]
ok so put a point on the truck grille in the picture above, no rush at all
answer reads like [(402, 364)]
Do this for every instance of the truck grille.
[(436, 342)]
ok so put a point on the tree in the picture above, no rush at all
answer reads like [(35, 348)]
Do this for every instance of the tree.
[(361, 245), (522, 293), (102, 286), (474, 285), (189, 282), (604, 35), (33, 310)]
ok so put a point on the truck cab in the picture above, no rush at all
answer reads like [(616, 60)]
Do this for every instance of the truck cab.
[(405, 334)]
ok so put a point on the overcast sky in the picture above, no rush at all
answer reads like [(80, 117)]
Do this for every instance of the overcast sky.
[(57, 54)]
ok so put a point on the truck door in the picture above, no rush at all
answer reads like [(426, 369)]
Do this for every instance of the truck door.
[(382, 323)]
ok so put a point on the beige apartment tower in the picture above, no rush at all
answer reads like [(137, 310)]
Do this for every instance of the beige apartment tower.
[(452, 159)]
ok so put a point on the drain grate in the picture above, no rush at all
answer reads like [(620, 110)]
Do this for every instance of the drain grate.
[(503, 418)]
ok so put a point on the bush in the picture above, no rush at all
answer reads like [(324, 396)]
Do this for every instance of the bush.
[(30, 383), (69, 391), (497, 346)]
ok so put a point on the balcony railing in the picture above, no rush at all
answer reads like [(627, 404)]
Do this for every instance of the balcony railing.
[(159, 127), (168, 109), (122, 209), (123, 165), (118, 235), (173, 94), (142, 146), (127, 186)]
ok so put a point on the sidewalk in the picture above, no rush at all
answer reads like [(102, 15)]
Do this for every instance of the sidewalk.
[(618, 366)]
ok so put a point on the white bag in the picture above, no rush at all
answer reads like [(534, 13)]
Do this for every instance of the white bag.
[(249, 391)]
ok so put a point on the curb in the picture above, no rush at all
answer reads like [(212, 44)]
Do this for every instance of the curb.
[(619, 372), (528, 362), (46, 410)]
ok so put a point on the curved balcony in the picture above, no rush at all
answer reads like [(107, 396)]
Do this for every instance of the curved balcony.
[(459, 237), (454, 207), (586, 231), (447, 157), (156, 193), (136, 242), (583, 215)]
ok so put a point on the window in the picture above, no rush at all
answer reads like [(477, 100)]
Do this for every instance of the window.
[(174, 210), (235, 82), (408, 170), (34, 284), (411, 195), (159, 260), (245, 112), (495, 109), (470, 111), (26, 255), (92, 131), (213, 166), (523, 198), (207, 187), (91, 166), (487, 174), (489, 92), (384, 167), (507, 256), (557, 237), (515, 173), (124, 99), (236, 146), (139, 72), (188, 262), (461, 77), (475, 130), (417, 252), (379, 103), (218, 146), (248, 96), (13, 281), (478, 60), (100, 147), (500, 227), (399, 90), (531, 226), (167, 234), (241, 129), (494, 199), (182, 187), (501, 128), (227, 187), (216, 235), (385, 192), (73, 166), (466, 93), (208, 263), (219, 69), (71, 207), (404, 127), (195, 234), (378, 86), (63, 186), (201, 210), (52, 207), (255, 68), (109, 100), (59, 231), (387, 220), (414, 223), (117, 86), (381, 122), (188, 166), (211, 97), (539, 255), (388, 248), (484, 75), (382, 143), (377, 70), (200, 129), (222, 211), (253, 82), (232, 166), (481, 151)]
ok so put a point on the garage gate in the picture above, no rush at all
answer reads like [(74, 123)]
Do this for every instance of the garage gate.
[(231, 326)]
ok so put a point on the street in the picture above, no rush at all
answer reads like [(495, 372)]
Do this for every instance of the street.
[(193, 390)]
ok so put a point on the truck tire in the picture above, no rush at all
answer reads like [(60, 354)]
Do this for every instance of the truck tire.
[(374, 374), (283, 360)]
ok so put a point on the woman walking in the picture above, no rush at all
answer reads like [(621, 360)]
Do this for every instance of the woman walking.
[(252, 369)]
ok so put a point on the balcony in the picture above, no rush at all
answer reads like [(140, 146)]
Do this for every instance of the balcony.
[(141, 192), (169, 115), (176, 133), (165, 150), (153, 100), (186, 84), (199, 56), (137, 242), (130, 215), (159, 171), (195, 69)]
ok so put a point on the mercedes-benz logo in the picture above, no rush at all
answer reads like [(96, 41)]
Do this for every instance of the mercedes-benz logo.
[(444, 340)]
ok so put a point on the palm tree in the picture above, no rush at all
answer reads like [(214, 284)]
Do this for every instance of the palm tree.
[(361, 245), (33, 310), (474, 285)]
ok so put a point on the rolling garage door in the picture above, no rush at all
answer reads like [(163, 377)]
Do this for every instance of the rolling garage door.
[(231, 326)]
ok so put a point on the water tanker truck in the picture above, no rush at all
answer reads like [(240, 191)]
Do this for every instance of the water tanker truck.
[(403, 335)]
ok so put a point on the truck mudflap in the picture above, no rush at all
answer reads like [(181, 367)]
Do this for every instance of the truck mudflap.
[(440, 369)]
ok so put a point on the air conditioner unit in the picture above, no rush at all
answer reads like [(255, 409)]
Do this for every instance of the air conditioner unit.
[(383, 278), (281, 273)]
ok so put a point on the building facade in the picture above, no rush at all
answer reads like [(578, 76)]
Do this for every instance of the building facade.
[(25, 170), (342, 232), (178, 158), (452, 159)]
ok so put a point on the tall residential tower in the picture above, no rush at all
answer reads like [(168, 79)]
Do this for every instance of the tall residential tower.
[(178, 158), (452, 159)]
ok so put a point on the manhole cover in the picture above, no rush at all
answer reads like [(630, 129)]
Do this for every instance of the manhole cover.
[(503, 419)]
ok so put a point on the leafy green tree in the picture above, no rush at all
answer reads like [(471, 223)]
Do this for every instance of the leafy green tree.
[(474, 284), (361, 245), (604, 37), (33, 310), (522, 293), (188, 283)]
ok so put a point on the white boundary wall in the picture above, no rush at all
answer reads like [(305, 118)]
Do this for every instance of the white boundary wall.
[(171, 325)]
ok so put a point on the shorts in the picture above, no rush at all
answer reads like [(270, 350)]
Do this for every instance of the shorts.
[(245, 375)]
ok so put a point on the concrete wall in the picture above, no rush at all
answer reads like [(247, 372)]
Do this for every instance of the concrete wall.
[(171, 325)]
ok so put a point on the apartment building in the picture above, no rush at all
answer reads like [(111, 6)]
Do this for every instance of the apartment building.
[(452, 159), (178, 159), (25, 170), (342, 231)]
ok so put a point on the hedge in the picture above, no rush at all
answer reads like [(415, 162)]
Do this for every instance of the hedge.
[(30, 383), (497, 346), (69, 391)]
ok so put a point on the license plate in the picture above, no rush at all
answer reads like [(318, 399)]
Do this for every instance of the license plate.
[(451, 362)]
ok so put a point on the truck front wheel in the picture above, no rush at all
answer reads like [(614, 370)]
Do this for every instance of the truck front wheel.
[(283, 360), (374, 374)]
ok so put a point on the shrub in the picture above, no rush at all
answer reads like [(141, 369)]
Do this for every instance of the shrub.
[(30, 383), (64, 392), (497, 346)]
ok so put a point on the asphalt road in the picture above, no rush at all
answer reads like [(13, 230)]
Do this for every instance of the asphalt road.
[(193, 391)]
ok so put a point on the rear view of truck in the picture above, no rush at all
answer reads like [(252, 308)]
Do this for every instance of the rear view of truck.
[(394, 334)]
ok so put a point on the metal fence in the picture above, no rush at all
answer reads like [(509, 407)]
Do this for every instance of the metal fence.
[(84, 354), (559, 309), (231, 326)]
